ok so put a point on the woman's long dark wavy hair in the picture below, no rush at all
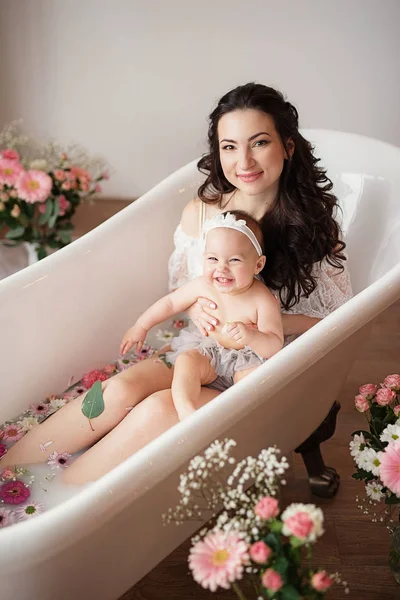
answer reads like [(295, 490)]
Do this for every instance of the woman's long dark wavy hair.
[(300, 228)]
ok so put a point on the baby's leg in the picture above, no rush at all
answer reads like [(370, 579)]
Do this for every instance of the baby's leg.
[(240, 374), (192, 370), (69, 430)]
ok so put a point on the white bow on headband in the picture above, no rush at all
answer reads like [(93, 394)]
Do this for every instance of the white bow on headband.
[(229, 221)]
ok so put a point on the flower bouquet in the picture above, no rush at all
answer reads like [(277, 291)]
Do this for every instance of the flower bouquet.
[(41, 188), (376, 452), (250, 540)]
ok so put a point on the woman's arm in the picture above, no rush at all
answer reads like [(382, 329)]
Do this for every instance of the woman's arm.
[(297, 324)]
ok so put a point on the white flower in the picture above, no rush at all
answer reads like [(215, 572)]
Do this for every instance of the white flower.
[(357, 445), (164, 335), (304, 521), (390, 434), (28, 423), (369, 461), (29, 510), (57, 403), (40, 164), (374, 490)]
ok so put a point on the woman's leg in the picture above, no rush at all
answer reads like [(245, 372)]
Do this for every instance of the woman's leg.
[(69, 430), (143, 424), (192, 370)]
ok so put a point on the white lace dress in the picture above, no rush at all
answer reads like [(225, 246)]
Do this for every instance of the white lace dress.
[(333, 285)]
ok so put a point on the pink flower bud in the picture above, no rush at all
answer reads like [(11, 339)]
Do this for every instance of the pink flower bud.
[(368, 390), (396, 410), (260, 552), (361, 403), (267, 508), (10, 154), (392, 382), (4, 196), (272, 580), (16, 211), (321, 581), (384, 396)]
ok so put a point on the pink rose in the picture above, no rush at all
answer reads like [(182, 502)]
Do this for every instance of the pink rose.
[(64, 205), (392, 382), (321, 581), (8, 474), (109, 369), (361, 403), (369, 389), (179, 323), (260, 552), (272, 580), (42, 208), (59, 174), (66, 186), (267, 508), (91, 377), (300, 525), (16, 211), (384, 396), (10, 154), (396, 410)]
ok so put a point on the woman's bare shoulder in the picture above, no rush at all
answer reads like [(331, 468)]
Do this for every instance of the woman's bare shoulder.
[(190, 219)]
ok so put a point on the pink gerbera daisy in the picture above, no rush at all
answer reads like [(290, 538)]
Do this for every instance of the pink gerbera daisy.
[(34, 186), (218, 560), (59, 460), (14, 492), (6, 517), (28, 511), (10, 171), (40, 409), (12, 433), (389, 469)]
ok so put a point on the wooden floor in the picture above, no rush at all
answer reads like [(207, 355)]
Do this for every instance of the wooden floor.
[(352, 544)]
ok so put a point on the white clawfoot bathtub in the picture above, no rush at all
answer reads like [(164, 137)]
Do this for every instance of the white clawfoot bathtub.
[(66, 315)]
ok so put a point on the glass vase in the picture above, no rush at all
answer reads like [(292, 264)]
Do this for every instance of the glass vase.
[(394, 553)]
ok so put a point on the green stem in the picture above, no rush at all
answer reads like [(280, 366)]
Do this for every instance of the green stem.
[(238, 592)]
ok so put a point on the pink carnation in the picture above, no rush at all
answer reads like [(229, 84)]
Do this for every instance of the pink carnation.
[(321, 581), (384, 396), (368, 390), (14, 492), (218, 560), (389, 468), (392, 382), (92, 376), (10, 171), (9, 154), (81, 174), (267, 508), (59, 174), (361, 403), (260, 552), (272, 580), (34, 186)]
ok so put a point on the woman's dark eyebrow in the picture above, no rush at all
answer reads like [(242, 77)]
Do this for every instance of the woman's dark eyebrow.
[(250, 138)]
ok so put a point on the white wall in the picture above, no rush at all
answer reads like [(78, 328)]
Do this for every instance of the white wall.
[(135, 80)]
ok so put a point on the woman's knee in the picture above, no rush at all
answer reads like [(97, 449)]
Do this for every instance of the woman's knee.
[(118, 391)]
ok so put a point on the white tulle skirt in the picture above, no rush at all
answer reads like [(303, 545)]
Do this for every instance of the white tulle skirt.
[(224, 361)]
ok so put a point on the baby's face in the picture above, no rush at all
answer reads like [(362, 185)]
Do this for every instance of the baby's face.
[(230, 260)]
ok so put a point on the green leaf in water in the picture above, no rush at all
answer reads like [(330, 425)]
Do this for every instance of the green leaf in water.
[(93, 402)]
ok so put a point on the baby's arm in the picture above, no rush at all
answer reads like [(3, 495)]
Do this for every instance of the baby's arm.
[(268, 339), (171, 304)]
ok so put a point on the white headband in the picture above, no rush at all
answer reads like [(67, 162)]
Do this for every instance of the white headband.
[(229, 221)]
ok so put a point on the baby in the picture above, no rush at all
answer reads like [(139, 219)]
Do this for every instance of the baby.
[(252, 330)]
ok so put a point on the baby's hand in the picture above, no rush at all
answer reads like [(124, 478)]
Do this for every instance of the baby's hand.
[(240, 332), (135, 335)]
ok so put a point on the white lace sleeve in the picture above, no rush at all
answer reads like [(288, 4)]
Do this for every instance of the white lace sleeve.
[(186, 261), (333, 289)]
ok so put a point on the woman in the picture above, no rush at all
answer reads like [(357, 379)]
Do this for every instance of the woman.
[(257, 162)]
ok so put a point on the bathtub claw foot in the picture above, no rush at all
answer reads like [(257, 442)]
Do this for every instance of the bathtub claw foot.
[(324, 481)]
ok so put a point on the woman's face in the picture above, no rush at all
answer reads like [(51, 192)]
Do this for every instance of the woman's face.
[(251, 152)]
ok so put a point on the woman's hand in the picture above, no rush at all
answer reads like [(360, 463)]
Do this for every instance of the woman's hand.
[(202, 318), (135, 335)]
